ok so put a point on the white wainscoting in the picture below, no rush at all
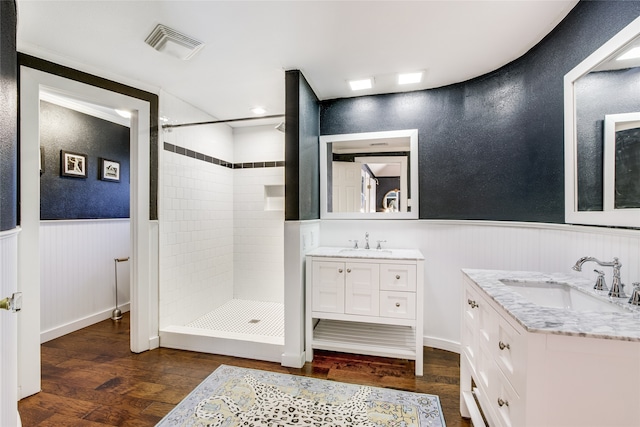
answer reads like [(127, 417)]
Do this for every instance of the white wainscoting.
[(449, 246), (77, 278)]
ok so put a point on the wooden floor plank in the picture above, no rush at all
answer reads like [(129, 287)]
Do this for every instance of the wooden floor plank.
[(90, 378)]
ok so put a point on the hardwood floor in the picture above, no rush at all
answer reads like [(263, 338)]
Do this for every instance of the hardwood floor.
[(91, 378)]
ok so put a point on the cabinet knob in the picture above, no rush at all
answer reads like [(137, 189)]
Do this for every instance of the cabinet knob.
[(397, 304), (339, 270), (397, 276), (502, 402), (348, 270), (503, 346), (472, 303)]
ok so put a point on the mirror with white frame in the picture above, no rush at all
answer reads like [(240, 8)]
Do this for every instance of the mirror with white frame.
[(369, 175), (602, 134)]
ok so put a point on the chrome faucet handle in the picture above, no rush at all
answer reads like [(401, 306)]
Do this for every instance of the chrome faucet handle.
[(617, 288), (379, 247), (600, 285), (355, 244), (366, 239), (635, 295)]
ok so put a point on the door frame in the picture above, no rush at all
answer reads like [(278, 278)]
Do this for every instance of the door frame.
[(143, 279)]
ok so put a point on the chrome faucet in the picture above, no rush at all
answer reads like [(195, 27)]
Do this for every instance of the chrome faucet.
[(617, 286), (366, 239), (635, 295), (600, 283)]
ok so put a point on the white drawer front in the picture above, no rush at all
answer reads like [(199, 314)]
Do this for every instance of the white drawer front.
[(399, 305), (398, 277), (509, 353), (505, 402)]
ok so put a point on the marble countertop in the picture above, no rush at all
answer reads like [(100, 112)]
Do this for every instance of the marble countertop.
[(395, 254), (536, 318)]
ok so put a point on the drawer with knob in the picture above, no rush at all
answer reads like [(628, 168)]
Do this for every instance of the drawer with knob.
[(509, 353), (398, 277), (505, 402), (399, 305)]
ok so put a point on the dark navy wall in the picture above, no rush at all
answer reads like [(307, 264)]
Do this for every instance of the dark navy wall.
[(74, 198), (492, 148), (302, 167), (8, 117), (110, 85)]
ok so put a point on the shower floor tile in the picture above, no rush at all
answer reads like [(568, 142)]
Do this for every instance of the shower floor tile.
[(245, 317)]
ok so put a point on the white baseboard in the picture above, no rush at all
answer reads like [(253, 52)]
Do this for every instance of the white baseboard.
[(154, 342), (441, 344), (296, 360), (65, 329)]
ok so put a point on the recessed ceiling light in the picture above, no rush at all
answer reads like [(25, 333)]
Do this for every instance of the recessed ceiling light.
[(258, 110), (409, 78), (360, 84), (124, 113), (630, 54)]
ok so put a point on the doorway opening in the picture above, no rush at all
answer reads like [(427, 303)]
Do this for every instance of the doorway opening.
[(142, 231)]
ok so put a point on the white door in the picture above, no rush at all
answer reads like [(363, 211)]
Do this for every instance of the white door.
[(8, 329), (372, 191), (347, 187), (362, 289)]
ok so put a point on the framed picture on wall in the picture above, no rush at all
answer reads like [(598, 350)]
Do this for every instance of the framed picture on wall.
[(109, 170), (73, 164)]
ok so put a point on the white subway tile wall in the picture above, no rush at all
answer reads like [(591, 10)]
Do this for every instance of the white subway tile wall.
[(217, 242), (258, 233), (196, 238)]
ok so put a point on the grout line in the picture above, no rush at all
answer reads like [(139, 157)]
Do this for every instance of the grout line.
[(176, 149)]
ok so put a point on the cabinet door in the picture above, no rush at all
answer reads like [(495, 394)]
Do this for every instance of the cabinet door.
[(362, 289), (328, 286)]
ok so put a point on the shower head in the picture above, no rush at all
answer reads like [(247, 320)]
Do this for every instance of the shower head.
[(280, 127)]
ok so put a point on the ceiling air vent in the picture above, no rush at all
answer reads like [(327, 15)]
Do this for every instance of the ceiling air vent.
[(172, 42)]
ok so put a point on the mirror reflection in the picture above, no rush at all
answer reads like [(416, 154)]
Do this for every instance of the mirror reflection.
[(622, 161), (609, 88), (602, 139), (369, 175)]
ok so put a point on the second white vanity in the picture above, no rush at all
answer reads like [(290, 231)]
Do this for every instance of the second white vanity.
[(365, 301), (543, 350)]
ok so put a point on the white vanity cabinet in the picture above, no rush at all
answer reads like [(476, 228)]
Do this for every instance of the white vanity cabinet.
[(524, 378), (366, 302)]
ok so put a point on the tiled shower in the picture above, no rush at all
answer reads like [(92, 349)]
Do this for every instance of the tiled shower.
[(221, 236)]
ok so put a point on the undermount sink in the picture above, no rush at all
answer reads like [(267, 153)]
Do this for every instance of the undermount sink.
[(352, 251), (561, 295)]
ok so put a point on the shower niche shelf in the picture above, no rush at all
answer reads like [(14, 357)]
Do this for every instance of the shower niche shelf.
[(368, 303), (274, 197)]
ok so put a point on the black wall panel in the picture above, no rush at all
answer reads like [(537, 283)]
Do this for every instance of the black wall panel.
[(302, 167), (8, 117), (492, 148), (64, 197)]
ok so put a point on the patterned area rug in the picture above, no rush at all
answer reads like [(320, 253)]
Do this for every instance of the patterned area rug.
[(233, 396)]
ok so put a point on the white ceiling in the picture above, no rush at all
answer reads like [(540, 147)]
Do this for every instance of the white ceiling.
[(249, 45)]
